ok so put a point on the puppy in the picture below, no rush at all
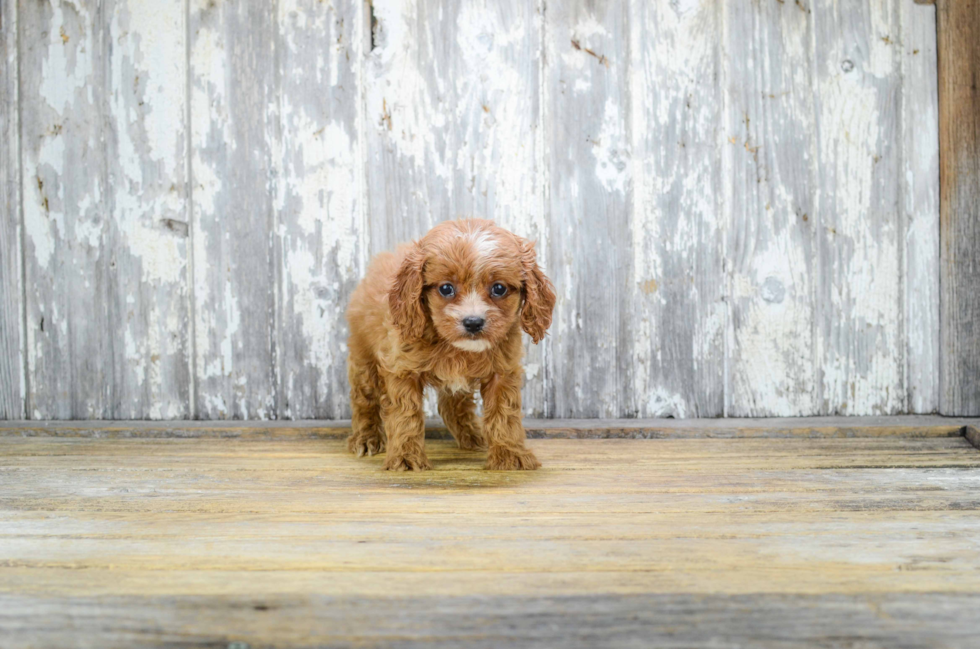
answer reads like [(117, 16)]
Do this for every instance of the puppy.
[(446, 311)]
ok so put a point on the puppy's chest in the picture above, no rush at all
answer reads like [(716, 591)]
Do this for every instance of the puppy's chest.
[(456, 377)]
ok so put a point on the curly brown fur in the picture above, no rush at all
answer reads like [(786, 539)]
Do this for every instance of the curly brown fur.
[(408, 332)]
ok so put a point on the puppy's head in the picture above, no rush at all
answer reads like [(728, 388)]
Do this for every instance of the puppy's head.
[(473, 281)]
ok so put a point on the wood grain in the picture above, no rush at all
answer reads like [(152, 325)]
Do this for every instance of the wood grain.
[(68, 262), (145, 241), (677, 221), (410, 125), (12, 379), (737, 203), (859, 222), (319, 207), (959, 153), (920, 126), (900, 621), (770, 252), (234, 114), (586, 121), (142, 540)]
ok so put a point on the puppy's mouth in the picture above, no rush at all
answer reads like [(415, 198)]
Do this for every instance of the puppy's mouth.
[(472, 344)]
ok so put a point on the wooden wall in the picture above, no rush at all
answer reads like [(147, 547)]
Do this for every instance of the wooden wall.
[(737, 201)]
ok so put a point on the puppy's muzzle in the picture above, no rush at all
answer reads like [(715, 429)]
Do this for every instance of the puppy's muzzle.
[(473, 324)]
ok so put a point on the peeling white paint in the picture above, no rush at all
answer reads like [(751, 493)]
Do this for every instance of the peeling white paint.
[(739, 235), (612, 150)]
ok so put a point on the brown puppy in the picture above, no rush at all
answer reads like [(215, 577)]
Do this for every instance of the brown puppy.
[(446, 311)]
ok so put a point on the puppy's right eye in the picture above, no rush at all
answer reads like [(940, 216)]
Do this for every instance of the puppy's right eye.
[(447, 290)]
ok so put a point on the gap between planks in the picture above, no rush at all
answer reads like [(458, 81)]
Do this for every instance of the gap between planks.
[(910, 426)]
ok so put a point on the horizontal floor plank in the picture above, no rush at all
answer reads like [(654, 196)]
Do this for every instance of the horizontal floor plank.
[(195, 540), (638, 620)]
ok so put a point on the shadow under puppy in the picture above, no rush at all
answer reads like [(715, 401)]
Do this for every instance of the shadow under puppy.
[(446, 311)]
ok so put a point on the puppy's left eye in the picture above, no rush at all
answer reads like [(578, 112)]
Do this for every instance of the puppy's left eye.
[(498, 290)]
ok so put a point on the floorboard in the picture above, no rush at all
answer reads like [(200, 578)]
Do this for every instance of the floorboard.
[(199, 541)]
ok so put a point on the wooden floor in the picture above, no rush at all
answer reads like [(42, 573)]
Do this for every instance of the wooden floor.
[(277, 537)]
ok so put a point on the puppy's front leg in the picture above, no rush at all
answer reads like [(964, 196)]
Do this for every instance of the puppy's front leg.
[(404, 422), (502, 424)]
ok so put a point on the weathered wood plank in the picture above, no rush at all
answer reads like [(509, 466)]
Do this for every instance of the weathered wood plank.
[(147, 224), (12, 379), (321, 212), (410, 125), (587, 124), (234, 117), (859, 214), (612, 620), (676, 224), (920, 188), (771, 240), (63, 67), (972, 434), (487, 110), (959, 154), (692, 541)]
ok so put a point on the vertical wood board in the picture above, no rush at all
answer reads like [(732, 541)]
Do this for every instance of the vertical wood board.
[(770, 240), (959, 154), (587, 124), (63, 63), (920, 135), (676, 224), (234, 115), (859, 223), (13, 387), (320, 211), (146, 238)]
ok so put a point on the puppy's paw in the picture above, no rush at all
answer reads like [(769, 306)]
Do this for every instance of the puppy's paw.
[(365, 445), (407, 462), (501, 458), (471, 441)]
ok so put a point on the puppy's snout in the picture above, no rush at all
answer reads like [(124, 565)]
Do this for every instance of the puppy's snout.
[(473, 324)]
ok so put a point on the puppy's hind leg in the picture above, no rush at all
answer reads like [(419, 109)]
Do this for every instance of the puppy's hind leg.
[(367, 433), (458, 410)]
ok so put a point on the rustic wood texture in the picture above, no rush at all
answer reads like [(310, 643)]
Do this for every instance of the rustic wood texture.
[(677, 221), (586, 115), (234, 135), (737, 202), (294, 542), (68, 275), (147, 214), (920, 127), (574, 622), (12, 378), (772, 241), (319, 207), (859, 224), (959, 149)]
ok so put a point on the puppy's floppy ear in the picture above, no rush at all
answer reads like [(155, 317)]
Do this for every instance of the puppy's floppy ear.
[(405, 297), (539, 294)]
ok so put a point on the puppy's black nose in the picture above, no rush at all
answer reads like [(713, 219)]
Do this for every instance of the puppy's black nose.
[(473, 324)]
